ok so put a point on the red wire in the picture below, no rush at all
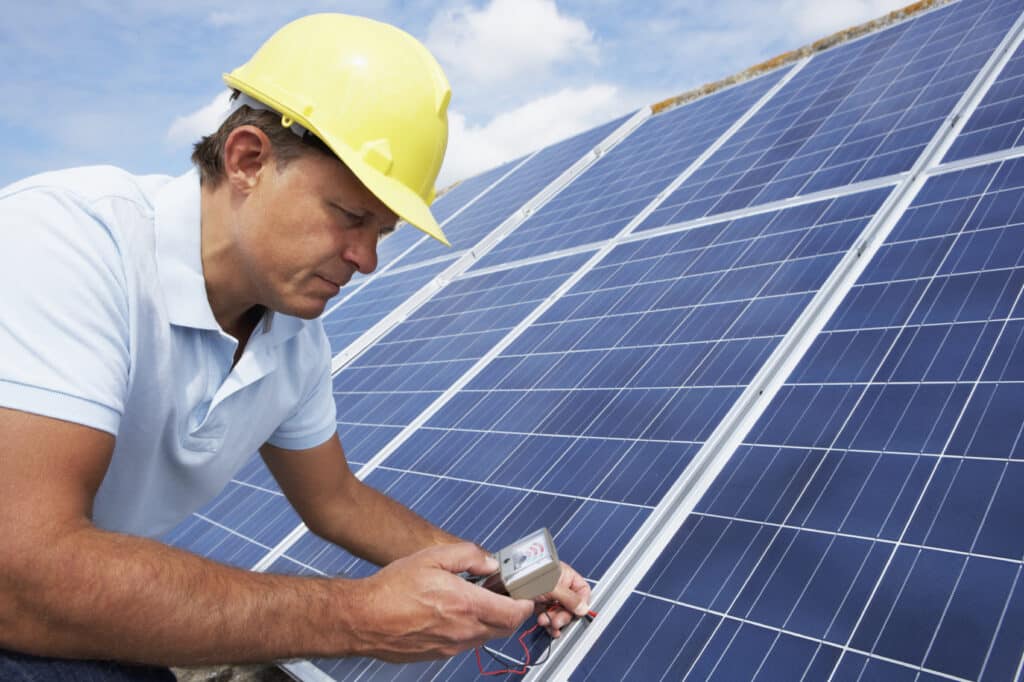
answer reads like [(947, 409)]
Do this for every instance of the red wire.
[(526, 650), (510, 671)]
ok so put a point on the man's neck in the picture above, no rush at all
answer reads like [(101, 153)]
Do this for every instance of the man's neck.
[(244, 329), (235, 315)]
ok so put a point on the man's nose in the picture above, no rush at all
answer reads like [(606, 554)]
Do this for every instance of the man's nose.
[(362, 252)]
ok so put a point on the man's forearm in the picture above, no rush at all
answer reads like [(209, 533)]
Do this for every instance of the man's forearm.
[(375, 527), (90, 593)]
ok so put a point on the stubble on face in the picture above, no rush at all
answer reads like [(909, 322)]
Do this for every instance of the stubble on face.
[(303, 244)]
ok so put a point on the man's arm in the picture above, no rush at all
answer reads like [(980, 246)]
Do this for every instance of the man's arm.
[(70, 589), (338, 507)]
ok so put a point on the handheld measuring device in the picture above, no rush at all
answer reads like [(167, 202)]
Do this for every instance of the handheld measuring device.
[(527, 568)]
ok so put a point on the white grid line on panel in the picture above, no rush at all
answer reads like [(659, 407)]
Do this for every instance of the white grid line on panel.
[(500, 432), (660, 527), (229, 531), (860, 451), (974, 161), (521, 489), (676, 228), (276, 493), (412, 267)]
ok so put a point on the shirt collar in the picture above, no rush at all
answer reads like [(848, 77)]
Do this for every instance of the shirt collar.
[(179, 254), (180, 263)]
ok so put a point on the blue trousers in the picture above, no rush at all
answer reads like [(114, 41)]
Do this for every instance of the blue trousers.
[(16, 667)]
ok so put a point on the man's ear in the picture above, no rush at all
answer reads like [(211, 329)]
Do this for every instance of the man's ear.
[(247, 155)]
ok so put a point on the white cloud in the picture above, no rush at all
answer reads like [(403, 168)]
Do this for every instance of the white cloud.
[(536, 124), (508, 39), (815, 19), (222, 18), (187, 129)]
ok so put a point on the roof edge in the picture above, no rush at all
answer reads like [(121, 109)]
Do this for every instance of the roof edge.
[(820, 45)]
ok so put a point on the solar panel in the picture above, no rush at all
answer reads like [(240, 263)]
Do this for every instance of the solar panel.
[(599, 203), (867, 528), (998, 122), (863, 110), (400, 375)]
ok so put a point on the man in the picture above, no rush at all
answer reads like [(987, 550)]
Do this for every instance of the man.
[(163, 329)]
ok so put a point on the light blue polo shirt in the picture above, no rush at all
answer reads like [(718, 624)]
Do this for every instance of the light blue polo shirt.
[(104, 321)]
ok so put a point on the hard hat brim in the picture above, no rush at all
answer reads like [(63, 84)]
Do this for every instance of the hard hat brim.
[(409, 206)]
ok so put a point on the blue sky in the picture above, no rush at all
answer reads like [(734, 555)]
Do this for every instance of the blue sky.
[(134, 83)]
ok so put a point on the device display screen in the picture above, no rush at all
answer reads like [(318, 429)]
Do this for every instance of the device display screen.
[(526, 556)]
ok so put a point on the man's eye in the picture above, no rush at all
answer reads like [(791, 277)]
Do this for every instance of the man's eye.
[(351, 217)]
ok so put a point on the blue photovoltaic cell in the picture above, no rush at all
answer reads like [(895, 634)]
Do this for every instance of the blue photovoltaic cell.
[(373, 302), (599, 203), (876, 504), (863, 110), (998, 122), (242, 524), (389, 384), (478, 220), (446, 205)]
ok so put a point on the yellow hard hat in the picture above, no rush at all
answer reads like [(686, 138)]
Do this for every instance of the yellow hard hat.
[(371, 92)]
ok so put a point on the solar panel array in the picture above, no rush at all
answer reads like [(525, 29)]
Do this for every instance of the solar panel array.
[(583, 367), (869, 523)]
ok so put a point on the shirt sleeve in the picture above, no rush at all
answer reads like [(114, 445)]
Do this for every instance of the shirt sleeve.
[(64, 349), (315, 418)]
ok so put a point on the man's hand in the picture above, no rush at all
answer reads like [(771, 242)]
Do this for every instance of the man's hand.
[(417, 608), (571, 599)]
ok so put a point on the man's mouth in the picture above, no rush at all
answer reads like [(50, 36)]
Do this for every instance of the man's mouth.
[(336, 282)]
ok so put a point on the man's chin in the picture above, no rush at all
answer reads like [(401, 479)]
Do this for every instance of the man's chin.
[(308, 309)]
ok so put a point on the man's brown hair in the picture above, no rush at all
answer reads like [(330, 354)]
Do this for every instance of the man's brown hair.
[(208, 153)]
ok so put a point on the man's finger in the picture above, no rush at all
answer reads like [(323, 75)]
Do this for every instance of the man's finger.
[(499, 612), (573, 594), (462, 556)]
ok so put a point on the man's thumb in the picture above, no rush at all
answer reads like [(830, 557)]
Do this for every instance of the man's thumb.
[(464, 556)]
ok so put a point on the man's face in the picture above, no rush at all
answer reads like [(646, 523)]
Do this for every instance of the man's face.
[(305, 230)]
